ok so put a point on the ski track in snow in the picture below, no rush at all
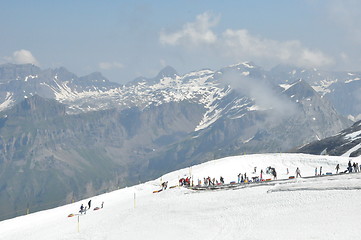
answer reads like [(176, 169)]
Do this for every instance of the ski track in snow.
[(327, 207)]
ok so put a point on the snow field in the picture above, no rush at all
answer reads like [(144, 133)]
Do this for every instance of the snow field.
[(327, 207)]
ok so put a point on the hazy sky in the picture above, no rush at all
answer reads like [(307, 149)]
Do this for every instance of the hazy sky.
[(127, 39)]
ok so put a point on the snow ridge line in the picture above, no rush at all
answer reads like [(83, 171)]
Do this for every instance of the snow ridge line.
[(313, 189)]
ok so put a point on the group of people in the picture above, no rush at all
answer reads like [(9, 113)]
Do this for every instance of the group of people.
[(243, 178), (208, 181), (84, 209), (352, 167), (185, 181)]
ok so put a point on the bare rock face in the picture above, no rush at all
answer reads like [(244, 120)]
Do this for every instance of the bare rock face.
[(346, 143)]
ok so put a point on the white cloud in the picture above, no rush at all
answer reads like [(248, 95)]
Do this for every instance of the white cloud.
[(195, 33), (240, 45), (22, 57), (261, 92), (110, 65)]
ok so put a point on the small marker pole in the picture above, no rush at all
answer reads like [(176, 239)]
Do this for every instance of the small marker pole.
[(27, 209), (134, 199), (78, 223)]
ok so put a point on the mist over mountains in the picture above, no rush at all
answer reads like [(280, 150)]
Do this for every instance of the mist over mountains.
[(64, 137)]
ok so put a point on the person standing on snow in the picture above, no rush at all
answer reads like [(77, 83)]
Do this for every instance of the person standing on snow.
[(298, 172), (89, 203), (221, 179), (337, 168), (81, 209), (349, 166), (274, 173), (320, 170), (316, 171)]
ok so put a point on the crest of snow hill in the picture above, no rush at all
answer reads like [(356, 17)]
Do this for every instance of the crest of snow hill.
[(64, 137)]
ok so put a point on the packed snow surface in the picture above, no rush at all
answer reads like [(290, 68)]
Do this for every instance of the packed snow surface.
[(325, 207)]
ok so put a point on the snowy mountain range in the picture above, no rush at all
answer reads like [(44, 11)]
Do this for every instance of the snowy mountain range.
[(86, 135), (321, 207), (94, 92)]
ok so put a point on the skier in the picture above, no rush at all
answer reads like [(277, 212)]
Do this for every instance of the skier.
[(81, 209), (89, 203), (261, 174), (337, 168), (298, 172), (320, 170), (316, 171), (102, 204), (239, 177), (287, 171)]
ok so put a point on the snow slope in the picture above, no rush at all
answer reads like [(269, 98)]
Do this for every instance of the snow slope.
[(326, 207)]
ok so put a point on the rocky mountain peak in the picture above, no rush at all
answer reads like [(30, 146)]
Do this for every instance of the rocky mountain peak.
[(93, 76), (168, 71), (63, 74), (301, 89)]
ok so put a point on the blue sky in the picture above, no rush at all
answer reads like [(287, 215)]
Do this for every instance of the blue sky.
[(127, 39)]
